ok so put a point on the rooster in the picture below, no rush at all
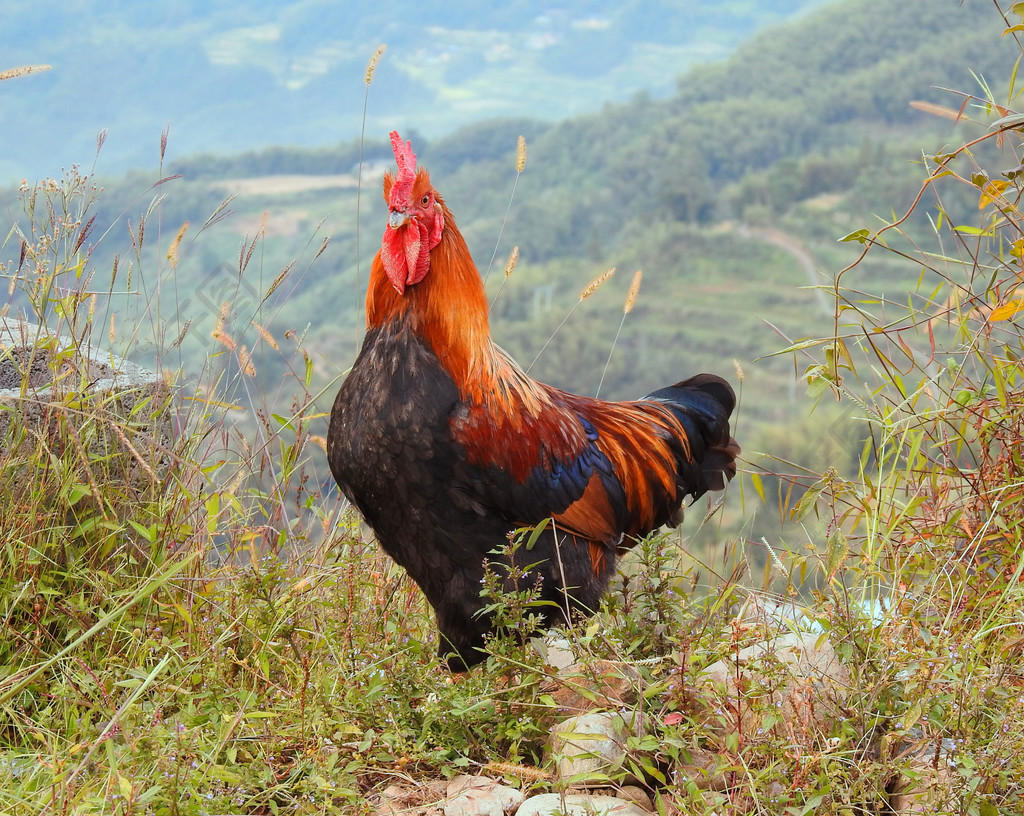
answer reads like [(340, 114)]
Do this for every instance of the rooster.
[(446, 446)]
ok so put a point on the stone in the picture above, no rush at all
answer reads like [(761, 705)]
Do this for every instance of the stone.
[(637, 795), (480, 796), (556, 652), (775, 615), (593, 746), (578, 688), (120, 412), (703, 770), (796, 677), (579, 804)]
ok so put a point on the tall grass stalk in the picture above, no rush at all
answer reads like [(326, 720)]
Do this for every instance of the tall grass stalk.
[(634, 290), (520, 165)]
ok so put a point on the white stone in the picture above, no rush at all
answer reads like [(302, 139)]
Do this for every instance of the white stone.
[(579, 804), (480, 796), (593, 746), (556, 651), (799, 675)]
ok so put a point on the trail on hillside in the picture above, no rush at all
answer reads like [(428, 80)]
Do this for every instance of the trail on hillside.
[(794, 247)]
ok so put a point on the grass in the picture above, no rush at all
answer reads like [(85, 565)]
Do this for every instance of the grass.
[(218, 633)]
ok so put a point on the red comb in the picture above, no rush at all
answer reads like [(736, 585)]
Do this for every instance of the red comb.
[(401, 190)]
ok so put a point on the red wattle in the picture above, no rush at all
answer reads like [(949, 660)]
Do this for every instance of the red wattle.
[(405, 254), (392, 255)]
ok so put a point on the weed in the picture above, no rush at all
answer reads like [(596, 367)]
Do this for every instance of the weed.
[(193, 623)]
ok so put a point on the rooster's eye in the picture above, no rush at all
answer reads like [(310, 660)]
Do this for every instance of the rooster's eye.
[(425, 200)]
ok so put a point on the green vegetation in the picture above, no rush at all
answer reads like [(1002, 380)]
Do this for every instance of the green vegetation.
[(218, 635)]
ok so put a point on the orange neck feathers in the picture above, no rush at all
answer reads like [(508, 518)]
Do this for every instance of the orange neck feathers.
[(447, 309)]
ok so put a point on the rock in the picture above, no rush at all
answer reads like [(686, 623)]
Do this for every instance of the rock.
[(578, 687), (130, 428), (927, 783), (637, 795), (703, 770), (593, 746), (775, 615), (556, 652), (598, 684), (578, 804), (796, 677), (480, 796)]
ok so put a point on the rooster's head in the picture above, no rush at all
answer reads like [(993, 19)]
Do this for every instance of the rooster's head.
[(416, 220)]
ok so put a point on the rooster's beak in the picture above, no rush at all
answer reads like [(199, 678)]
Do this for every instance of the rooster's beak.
[(397, 219)]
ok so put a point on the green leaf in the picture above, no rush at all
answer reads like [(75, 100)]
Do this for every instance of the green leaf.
[(223, 774), (283, 421), (964, 397), (861, 236), (806, 503), (966, 229), (836, 552), (912, 716), (755, 480), (77, 493), (531, 541), (148, 533)]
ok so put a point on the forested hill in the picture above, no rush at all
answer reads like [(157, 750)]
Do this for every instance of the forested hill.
[(817, 91)]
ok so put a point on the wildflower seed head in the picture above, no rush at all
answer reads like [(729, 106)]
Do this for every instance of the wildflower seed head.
[(634, 290), (22, 71), (172, 252), (268, 338), (595, 283), (513, 259), (371, 67)]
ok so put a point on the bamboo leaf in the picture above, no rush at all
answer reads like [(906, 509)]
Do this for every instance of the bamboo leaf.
[(992, 191), (1007, 311), (758, 483)]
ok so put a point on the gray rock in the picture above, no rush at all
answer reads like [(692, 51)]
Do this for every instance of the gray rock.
[(555, 651), (480, 796), (593, 746), (121, 411), (796, 676), (773, 614), (579, 804), (638, 796), (927, 781)]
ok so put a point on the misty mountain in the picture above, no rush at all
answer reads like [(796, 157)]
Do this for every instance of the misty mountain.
[(235, 76)]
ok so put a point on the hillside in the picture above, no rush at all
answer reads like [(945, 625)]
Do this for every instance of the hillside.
[(656, 185)]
